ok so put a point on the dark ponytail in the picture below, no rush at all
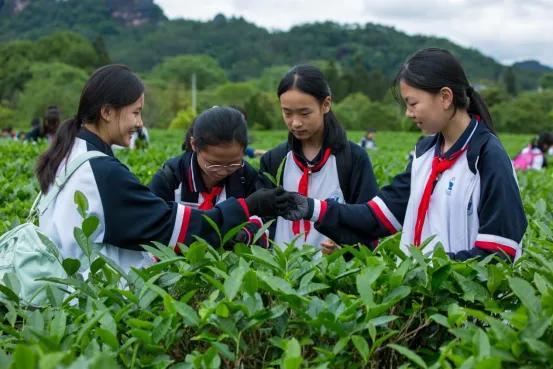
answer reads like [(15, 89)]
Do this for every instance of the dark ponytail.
[(215, 126), (311, 81), (114, 85), (431, 70), (478, 106)]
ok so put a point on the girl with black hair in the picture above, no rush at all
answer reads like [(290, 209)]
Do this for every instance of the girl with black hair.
[(460, 185), (129, 214), (319, 160), (212, 168), (46, 130)]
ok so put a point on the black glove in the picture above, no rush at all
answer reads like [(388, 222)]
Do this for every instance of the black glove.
[(270, 202), (246, 235), (301, 207)]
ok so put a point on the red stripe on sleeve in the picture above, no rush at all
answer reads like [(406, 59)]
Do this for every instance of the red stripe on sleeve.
[(242, 203), (381, 217), (184, 225), (322, 212), (492, 246)]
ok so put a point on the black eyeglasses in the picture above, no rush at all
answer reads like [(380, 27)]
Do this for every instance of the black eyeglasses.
[(220, 167)]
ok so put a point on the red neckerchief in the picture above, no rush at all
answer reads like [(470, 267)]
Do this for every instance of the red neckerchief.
[(439, 165), (209, 198), (304, 185)]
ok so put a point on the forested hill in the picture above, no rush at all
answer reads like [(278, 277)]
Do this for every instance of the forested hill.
[(137, 33)]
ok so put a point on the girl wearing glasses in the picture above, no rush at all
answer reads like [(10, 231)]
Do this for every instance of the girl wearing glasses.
[(212, 168), (129, 215)]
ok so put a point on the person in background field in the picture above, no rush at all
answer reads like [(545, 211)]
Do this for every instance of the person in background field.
[(50, 124), (460, 186), (534, 155), (367, 142), (212, 168), (129, 214), (8, 133), (319, 160), (35, 123)]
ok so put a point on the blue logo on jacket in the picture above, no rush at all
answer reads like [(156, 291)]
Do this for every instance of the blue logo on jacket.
[(450, 186)]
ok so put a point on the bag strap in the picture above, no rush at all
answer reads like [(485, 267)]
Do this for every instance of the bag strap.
[(42, 202), (344, 162)]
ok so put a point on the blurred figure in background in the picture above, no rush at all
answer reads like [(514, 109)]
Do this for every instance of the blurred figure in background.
[(533, 156), (367, 142), (50, 124)]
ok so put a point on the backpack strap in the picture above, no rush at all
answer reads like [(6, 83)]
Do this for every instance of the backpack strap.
[(42, 202), (344, 162), (276, 156), (170, 176)]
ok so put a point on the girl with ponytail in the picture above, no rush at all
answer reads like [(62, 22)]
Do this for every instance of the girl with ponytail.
[(459, 188), (129, 214), (319, 160)]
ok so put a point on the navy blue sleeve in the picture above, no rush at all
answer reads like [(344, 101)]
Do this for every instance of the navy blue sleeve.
[(380, 217), (133, 215), (363, 185), (166, 180), (500, 211), (390, 203), (347, 223)]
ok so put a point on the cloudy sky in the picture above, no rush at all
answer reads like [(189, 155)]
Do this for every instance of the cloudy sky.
[(507, 30)]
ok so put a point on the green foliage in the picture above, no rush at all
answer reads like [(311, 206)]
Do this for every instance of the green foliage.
[(179, 69), (546, 81), (7, 117), (233, 93), (210, 308), (358, 112), (163, 101), (527, 113), (183, 120), (270, 77), (51, 84), (261, 111), (252, 307), (15, 58), (357, 71), (68, 48), (510, 82), (494, 95)]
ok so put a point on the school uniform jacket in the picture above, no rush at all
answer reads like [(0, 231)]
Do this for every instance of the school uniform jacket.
[(323, 183), (129, 213), (475, 207), (180, 180)]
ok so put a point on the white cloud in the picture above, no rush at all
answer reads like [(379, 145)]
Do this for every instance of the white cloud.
[(507, 30)]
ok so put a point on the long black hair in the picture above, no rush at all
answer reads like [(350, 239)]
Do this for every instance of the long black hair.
[(114, 85), (215, 126), (310, 80), (433, 69)]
